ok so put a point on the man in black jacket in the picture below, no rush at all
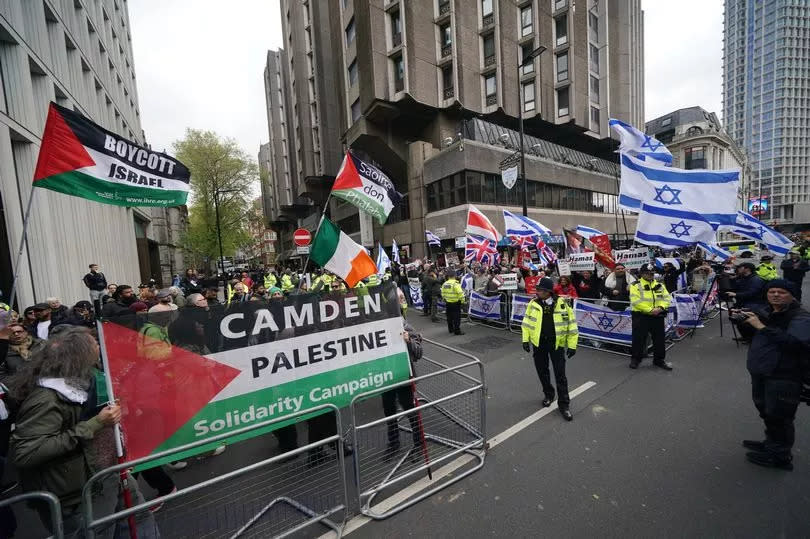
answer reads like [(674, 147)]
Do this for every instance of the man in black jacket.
[(748, 294), (778, 363), (793, 269), (96, 283)]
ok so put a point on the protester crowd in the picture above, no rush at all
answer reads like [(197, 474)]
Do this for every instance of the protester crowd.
[(54, 391)]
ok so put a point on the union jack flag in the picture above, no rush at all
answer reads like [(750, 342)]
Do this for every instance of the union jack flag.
[(545, 252), (481, 250)]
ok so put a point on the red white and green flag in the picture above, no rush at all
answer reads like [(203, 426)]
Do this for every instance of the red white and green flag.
[(80, 158), (367, 187)]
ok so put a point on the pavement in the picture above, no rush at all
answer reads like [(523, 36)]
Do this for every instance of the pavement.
[(649, 453)]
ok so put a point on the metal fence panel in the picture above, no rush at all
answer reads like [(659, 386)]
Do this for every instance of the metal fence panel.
[(52, 504), (274, 497)]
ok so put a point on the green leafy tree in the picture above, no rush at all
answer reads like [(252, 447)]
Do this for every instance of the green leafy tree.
[(219, 170)]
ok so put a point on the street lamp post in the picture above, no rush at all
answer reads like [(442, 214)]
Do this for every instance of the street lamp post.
[(219, 230), (526, 59)]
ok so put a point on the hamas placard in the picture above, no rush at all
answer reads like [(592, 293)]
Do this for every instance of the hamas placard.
[(194, 373)]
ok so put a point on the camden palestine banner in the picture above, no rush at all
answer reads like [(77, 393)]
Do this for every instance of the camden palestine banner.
[(80, 158), (269, 359)]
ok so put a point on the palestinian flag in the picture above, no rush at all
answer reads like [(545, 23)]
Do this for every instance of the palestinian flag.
[(367, 187), (335, 251), (82, 159)]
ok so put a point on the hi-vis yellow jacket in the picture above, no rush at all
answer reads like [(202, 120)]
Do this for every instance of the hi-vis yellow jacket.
[(452, 291), (648, 295), (270, 280), (565, 324), (286, 283), (767, 271)]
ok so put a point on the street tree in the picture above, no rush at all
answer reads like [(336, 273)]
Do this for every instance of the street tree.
[(222, 178)]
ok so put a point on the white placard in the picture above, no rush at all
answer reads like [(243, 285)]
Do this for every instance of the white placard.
[(632, 258), (510, 281), (461, 242), (563, 267), (581, 261)]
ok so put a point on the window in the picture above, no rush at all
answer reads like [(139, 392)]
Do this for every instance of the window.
[(446, 39), (695, 157), (594, 89), (528, 96), (526, 20), (356, 110), (694, 130), (562, 102), (525, 50), (489, 50), (353, 73), (399, 73), (594, 58), (595, 119), (562, 67), (491, 89), (486, 7), (559, 4), (561, 29), (350, 32), (447, 82), (593, 26), (396, 29)]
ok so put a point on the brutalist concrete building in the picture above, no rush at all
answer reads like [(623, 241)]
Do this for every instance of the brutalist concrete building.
[(429, 91)]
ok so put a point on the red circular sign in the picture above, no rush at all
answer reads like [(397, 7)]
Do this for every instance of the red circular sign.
[(302, 237)]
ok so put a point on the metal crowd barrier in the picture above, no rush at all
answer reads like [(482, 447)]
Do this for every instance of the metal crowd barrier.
[(502, 322), (275, 497), (48, 499), (448, 422)]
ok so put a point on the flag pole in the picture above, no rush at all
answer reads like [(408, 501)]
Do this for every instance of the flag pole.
[(26, 219), (119, 448), (323, 214)]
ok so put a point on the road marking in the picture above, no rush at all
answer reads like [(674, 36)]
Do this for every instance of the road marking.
[(417, 487)]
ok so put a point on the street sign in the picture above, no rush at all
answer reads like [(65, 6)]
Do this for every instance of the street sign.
[(302, 237), (302, 250)]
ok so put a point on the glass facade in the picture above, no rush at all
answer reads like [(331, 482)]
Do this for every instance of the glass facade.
[(766, 96), (484, 188)]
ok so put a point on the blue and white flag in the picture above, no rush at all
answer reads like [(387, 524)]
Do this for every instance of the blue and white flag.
[(687, 307), (383, 262), (487, 307), (751, 227), (670, 228), (519, 304), (519, 226), (416, 296), (432, 239), (587, 232), (395, 251), (714, 250), (711, 193), (637, 143), (467, 283)]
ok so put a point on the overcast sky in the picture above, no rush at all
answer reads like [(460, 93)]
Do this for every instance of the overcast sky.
[(200, 63)]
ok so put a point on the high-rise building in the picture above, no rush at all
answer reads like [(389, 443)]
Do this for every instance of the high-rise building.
[(430, 92), (79, 55), (766, 98)]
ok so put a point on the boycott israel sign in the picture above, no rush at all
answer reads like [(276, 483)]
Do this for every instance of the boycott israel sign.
[(581, 261), (632, 258), (270, 359)]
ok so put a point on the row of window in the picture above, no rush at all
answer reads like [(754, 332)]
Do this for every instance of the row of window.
[(480, 187)]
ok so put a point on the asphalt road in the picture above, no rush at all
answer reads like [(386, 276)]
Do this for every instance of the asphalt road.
[(649, 453)]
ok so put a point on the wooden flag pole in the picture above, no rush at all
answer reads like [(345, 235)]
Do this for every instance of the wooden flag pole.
[(26, 219)]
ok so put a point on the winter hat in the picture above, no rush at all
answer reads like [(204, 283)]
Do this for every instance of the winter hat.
[(138, 307), (545, 284), (274, 290), (781, 283)]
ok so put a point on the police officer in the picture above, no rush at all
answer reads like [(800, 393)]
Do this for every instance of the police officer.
[(270, 279), (286, 282), (767, 269), (550, 325), (453, 296), (373, 280), (649, 301)]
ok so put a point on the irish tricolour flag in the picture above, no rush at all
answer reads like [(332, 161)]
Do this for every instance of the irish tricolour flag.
[(82, 159), (367, 187), (336, 252)]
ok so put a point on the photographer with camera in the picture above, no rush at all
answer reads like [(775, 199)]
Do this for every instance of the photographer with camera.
[(747, 293), (779, 365)]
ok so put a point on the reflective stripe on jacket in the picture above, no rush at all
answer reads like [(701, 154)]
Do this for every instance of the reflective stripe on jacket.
[(286, 283), (373, 280), (565, 324), (648, 295), (452, 291), (767, 271)]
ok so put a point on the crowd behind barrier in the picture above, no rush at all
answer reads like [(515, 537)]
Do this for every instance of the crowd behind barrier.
[(448, 401)]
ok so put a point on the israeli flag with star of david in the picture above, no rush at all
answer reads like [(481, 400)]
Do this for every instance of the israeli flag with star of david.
[(711, 193), (750, 227), (670, 228), (635, 142)]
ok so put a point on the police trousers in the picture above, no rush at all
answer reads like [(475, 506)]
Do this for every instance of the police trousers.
[(644, 324), (453, 313), (542, 355)]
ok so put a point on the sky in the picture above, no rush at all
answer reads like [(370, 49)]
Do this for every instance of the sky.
[(200, 63)]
